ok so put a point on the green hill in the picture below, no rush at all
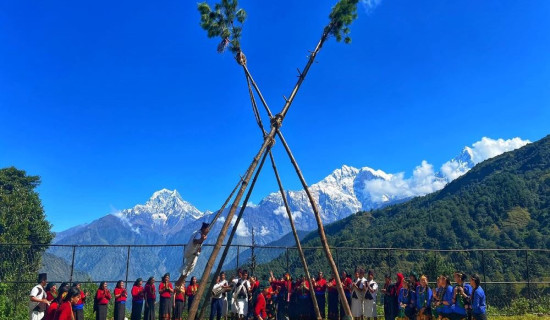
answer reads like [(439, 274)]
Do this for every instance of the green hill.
[(503, 202)]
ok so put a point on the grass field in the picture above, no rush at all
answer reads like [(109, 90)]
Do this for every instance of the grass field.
[(531, 316)]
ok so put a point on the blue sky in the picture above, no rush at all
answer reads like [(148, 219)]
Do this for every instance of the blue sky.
[(111, 101)]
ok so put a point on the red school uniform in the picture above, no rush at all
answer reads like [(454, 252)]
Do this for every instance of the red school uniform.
[(191, 290), (123, 294), (150, 292), (164, 290), (259, 309), (320, 286), (137, 293), (65, 311), (50, 313), (103, 296), (347, 283)]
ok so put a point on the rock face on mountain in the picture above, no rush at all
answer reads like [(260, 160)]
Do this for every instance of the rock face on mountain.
[(166, 218)]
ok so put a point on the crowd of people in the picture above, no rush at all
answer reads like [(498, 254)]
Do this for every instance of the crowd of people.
[(245, 297)]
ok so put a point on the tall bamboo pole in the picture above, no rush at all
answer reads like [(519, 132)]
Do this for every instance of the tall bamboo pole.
[(268, 140), (296, 238), (231, 235), (320, 228), (209, 265), (281, 190), (181, 279), (276, 123)]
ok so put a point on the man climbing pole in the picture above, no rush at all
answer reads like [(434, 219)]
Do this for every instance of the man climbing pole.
[(192, 252)]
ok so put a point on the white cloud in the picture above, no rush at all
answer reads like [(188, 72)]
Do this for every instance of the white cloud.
[(124, 219), (242, 229), (370, 5), (453, 169), (487, 148), (281, 211), (424, 180)]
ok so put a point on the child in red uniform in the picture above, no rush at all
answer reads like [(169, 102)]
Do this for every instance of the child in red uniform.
[(138, 295), (260, 308), (165, 291), (179, 302), (65, 310), (102, 297), (52, 309), (150, 296), (50, 291), (78, 308), (120, 300), (191, 291)]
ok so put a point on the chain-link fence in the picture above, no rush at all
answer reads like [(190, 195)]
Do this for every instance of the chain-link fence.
[(507, 274)]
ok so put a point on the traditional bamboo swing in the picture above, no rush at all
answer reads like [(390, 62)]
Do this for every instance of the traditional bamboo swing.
[(343, 13)]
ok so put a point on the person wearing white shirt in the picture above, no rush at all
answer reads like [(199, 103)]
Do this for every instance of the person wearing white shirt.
[(357, 294), (38, 302), (370, 296), (192, 252), (218, 296), (241, 292)]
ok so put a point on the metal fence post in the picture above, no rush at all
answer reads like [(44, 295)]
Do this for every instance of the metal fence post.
[(127, 266), (72, 266), (528, 276)]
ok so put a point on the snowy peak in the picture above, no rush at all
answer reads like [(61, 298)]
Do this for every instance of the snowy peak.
[(163, 205), (466, 157)]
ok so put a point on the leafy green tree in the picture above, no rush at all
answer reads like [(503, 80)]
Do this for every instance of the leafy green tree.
[(22, 221)]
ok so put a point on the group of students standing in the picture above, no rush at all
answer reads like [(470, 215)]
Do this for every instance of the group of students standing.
[(414, 299), (243, 297), (47, 302)]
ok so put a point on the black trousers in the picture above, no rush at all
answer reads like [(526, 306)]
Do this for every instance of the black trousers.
[(137, 308)]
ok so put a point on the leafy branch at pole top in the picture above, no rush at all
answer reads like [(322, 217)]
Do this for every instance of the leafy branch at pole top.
[(341, 17), (220, 22), (226, 21)]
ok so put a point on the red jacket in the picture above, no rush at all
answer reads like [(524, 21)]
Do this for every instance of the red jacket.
[(332, 287), (259, 310), (50, 313), (123, 294), (65, 311), (163, 290), (137, 293), (347, 282), (82, 298), (49, 296), (191, 290), (284, 284), (103, 296), (320, 286), (150, 292)]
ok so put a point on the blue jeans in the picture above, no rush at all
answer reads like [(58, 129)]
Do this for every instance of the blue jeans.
[(216, 308)]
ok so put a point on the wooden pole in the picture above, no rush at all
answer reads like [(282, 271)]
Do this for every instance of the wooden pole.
[(264, 149), (296, 238), (320, 228)]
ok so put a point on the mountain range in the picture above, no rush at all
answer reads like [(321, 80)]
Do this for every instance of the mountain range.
[(166, 218), (503, 202)]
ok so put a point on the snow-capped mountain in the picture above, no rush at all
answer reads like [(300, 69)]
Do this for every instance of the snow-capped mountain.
[(165, 212), (168, 219)]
